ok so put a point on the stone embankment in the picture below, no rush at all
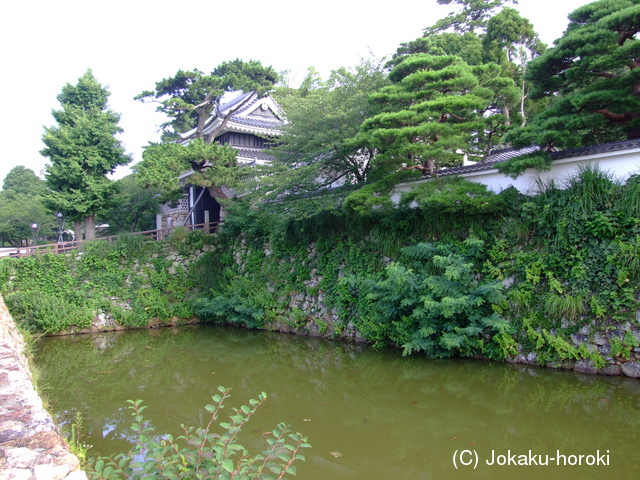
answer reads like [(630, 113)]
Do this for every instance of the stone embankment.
[(31, 447), (308, 314)]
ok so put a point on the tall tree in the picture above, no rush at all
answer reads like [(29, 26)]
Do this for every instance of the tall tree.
[(135, 207), (22, 181), (467, 46), (316, 149), (433, 111), (512, 42), (472, 16), (82, 149), (190, 99), (590, 77)]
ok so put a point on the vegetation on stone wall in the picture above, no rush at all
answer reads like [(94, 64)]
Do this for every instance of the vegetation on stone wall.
[(477, 274), (453, 271), (130, 282)]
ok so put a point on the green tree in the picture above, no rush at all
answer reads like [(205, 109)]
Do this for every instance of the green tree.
[(590, 77), (82, 149), (316, 148), (505, 39), (467, 46), (511, 41), (431, 113), (134, 209), (21, 206), (213, 165), (189, 99), (22, 180), (471, 17), (18, 213)]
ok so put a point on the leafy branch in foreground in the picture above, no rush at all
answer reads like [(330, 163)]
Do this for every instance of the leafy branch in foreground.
[(200, 453)]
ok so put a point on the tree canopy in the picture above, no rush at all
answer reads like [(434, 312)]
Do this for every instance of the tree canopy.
[(22, 181), (472, 16), (212, 165), (190, 99), (432, 113), (590, 77), (82, 149), (316, 147), (21, 206), (134, 209)]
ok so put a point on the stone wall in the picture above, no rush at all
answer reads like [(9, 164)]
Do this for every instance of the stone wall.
[(308, 314), (31, 447)]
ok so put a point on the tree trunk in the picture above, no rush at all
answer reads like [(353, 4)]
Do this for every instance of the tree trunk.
[(90, 227), (217, 192), (523, 97), (507, 114), (77, 229)]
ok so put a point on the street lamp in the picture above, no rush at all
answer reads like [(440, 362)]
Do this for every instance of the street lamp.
[(60, 219), (35, 228)]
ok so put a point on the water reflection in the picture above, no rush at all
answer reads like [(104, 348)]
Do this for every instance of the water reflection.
[(368, 414)]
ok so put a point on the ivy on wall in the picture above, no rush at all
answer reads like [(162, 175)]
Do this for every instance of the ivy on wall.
[(477, 274)]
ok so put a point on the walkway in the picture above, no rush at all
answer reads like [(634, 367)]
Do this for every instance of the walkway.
[(64, 247)]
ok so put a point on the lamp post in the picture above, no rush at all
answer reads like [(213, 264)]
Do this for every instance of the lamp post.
[(60, 220), (35, 228)]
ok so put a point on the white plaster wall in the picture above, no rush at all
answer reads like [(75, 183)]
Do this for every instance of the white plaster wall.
[(621, 164)]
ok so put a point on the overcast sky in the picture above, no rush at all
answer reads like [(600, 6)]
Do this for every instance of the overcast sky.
[(132, 44)]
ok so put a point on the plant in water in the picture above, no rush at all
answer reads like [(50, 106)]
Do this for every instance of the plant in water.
[(201, 453), (75, 440)]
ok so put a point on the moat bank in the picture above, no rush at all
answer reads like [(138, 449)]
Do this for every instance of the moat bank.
[(346, 290), (454, 271), (31, 447)]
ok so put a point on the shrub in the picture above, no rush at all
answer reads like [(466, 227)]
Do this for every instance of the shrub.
[(202, 453), (48, 312), (432, 301)]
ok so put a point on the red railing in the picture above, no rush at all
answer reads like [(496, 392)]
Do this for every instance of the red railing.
[(64, 247)]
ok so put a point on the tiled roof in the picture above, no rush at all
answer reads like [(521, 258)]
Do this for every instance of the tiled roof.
[(255, 122), (497, 156), (231, 103), (254, 154), (595, 149), (494, 157), (237, 118), (509, 153)]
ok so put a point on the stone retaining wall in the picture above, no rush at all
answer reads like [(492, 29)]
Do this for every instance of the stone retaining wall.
[(31, 447), (308, 314)]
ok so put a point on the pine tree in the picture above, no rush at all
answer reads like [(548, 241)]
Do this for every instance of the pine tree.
[(428, 116), (591, 79)]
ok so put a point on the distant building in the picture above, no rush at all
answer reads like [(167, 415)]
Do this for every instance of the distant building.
[(248, 130)]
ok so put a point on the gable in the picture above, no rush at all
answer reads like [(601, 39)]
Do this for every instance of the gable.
[(263, 111)]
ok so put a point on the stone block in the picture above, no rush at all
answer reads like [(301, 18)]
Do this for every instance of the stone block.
[(631, 369), (578, 339), (600, 339), (585, 366), (610, 370)]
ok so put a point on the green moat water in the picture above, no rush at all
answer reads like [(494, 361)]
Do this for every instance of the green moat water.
[(368, 414)]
